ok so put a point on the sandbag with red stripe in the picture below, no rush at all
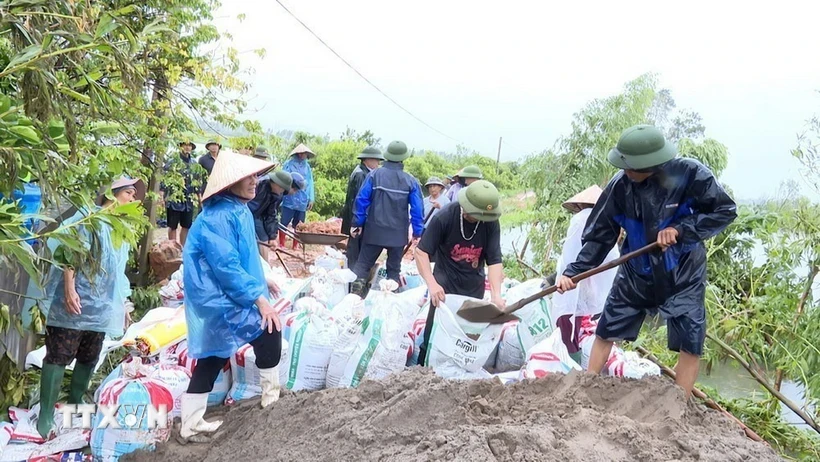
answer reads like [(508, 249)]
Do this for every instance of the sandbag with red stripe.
[(134, 396)]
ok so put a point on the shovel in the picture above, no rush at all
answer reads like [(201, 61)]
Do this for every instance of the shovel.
[(480, 311)]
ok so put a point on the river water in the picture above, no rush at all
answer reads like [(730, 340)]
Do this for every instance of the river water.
[(729, 378)]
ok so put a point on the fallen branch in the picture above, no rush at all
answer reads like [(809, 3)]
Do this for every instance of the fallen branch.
[(762, 380), (534, 271), (702, 396)]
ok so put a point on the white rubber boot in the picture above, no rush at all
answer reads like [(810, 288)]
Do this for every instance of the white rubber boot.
[(193, 411), (269, 380)]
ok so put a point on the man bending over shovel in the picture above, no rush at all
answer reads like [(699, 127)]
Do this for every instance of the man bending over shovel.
[(463, 237), (679, 204)]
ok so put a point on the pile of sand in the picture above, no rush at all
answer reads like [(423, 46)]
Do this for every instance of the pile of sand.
[(416, 416)]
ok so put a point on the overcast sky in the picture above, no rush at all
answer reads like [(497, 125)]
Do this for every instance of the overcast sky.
[(479, 70)]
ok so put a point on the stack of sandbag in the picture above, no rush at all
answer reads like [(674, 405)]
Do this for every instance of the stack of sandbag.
[(459, 349), (620, 363), (311, 334), (136, 432), (330, 286), (535, 325), (382, 344), (549, 356)]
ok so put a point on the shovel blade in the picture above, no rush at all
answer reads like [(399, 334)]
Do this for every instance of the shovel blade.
[(481, 311)]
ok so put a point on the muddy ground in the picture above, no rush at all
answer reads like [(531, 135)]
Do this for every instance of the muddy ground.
[(416, 416)]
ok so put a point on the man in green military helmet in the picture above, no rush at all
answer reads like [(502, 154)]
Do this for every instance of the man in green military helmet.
[(465, 177), (388, 203), (370, 159), (463, 237), (657, 197)]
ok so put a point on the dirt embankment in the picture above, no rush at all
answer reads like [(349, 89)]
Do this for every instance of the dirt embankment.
[(416, 416)]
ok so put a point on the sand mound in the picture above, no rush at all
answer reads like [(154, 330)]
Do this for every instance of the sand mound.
[(416, 416)]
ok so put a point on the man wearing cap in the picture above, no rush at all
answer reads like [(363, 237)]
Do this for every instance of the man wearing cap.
[(265, 207), (435, 199), (226, 295), (370, 158), (679, 204), (465, 177), (568, 308), (207, 161), (296, 206), (381, 208), (179, 202), (462, 238), (82, 306)]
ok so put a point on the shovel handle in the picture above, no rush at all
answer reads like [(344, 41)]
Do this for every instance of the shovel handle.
[(410, 244), (580, 277)]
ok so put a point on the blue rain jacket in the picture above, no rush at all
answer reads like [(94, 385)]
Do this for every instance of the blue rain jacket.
[(223, 277), (303, 197), (103, 299), (382, 204), (683, 194)]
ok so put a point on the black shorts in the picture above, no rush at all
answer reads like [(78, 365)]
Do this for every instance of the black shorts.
[(64, 345), (177, 219), (685, 333)]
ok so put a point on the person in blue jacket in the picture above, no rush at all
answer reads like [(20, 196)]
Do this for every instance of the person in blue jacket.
[(296, 206), (380, 216), (81, 307), (679, 204), (270, 192), (226, 295)]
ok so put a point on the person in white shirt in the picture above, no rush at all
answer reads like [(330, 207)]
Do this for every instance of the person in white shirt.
[(589, 298), (436, 198)]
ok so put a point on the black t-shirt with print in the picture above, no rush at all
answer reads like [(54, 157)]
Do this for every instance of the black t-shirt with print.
[(460, 262)]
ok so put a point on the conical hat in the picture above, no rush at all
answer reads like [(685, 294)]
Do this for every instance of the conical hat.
[(230, 168), (588, 196), (302, 148)]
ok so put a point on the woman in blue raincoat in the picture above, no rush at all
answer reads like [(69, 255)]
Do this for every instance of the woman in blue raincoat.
[(296, 206), (226, 295), (81, 309)]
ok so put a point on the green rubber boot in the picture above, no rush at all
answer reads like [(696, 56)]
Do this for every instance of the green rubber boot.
[(578, 356), (51, 378), (80, 378)]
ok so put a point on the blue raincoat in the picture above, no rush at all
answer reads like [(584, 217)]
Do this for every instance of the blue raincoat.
[(303, 197), (103, 299), (223, 278)]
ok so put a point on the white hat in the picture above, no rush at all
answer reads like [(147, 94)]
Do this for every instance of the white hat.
[(588, 196), (302, 148), (230, 168)]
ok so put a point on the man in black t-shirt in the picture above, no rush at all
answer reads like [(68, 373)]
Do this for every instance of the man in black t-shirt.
[(463, 237)]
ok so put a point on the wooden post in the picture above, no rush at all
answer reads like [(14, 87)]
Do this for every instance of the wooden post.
[(498, 159)]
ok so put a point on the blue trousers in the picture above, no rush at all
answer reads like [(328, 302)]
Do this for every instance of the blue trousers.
[(292, 217)]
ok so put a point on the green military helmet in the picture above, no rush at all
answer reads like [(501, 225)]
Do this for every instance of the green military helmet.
[(470, 171), (371, 152), (261, 153), (481, 201), (283, 179), (641, 147), (397, 152), (213, 142)]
